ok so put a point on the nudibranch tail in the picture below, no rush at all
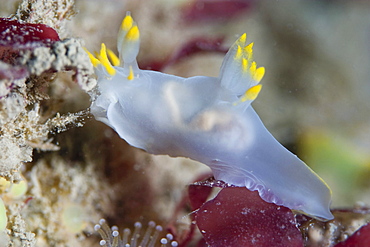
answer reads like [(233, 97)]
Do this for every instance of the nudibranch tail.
[(239, 73)]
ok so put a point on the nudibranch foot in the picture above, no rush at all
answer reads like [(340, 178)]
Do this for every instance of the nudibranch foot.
[(207, 119)]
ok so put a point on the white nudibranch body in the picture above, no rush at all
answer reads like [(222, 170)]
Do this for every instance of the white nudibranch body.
[(207, 119)]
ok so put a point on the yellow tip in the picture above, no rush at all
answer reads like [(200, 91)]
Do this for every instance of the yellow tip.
[(104, 60), (93, 59), (113, 57), (249, 48), (252, 69), (244, 65), (133, 34), (242, 39), (127, 22), (238, 53), (130, 76), (252, 93), (258, 75), (249, 51)]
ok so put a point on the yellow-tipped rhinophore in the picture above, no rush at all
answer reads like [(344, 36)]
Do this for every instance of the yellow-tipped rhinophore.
[(127, 22), (128, 40), (252, 93), (103, 58), (133, 34)]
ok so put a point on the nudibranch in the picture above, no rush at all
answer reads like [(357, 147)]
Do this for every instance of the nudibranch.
[(206, 119)]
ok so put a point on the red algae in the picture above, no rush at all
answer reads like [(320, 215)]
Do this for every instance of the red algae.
[(237, 217), (198, 195), (192, 47), (358, 239), (203, 10), (16, 36), (16, 33)]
